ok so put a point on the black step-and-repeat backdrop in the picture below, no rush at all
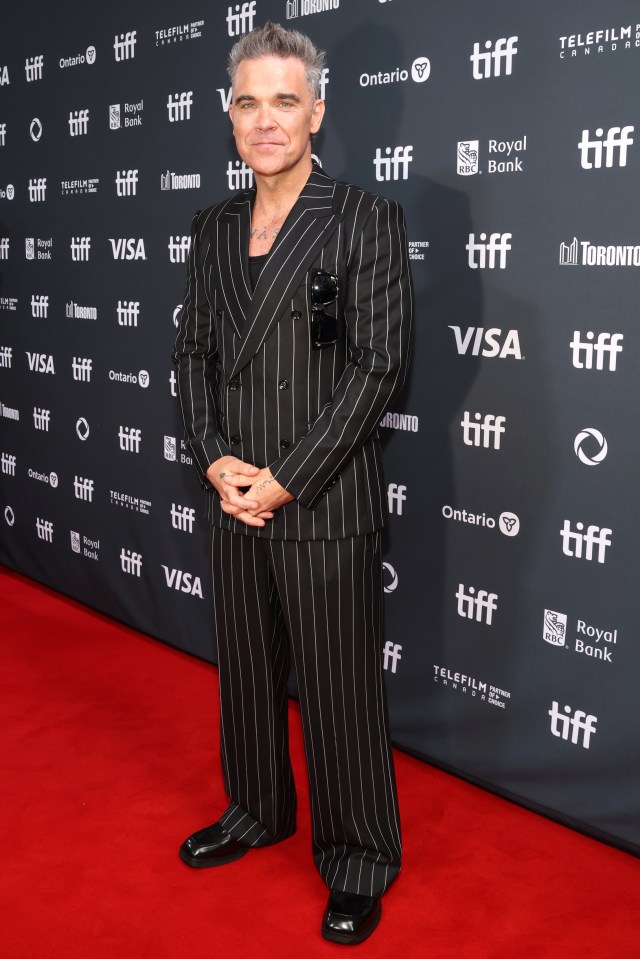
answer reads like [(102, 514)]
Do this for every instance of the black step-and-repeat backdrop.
[(511, 135)]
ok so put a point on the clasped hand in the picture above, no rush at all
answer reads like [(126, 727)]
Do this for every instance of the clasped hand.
[(230, 475)]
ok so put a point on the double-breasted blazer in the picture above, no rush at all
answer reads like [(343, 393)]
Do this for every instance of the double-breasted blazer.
[(253, 385)]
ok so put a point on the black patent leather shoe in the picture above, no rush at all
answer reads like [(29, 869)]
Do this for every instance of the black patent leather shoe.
[(212, 846), (350, 918)]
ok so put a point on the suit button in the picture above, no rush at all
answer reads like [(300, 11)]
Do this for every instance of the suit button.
[(234, 385), (283, 385), (296, 314), (219, 314), (285, 444), (235, 439)]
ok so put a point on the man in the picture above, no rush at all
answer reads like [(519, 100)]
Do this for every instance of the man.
[(293, 339)]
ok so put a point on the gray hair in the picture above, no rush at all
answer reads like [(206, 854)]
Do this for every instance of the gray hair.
[(273, 40)]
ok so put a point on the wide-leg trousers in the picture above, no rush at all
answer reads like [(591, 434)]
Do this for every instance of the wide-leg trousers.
[(320, 602)]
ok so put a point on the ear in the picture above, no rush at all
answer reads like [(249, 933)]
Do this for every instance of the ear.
[(317, 113)]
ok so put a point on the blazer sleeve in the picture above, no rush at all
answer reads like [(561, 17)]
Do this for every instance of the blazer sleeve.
[(194, 352), (378, 315)]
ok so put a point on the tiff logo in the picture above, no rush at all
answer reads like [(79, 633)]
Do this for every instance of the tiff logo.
[(130, 562), (41, 418), (583, 350), (33, 68), (579, 722), (239, 175), (394, 167), (4, 248), (240, 19), (80, 246), (82, 367), (482, 431), (6, 354), (83, 488), (39, 306), (3, 134), (489, 64), (486, 259), (78, 122), (179, 248), (128, 312), (480, 607), (179, 106), (124, 46), (391, 653), (37, 189), (44, 528), (396, 495), (130, 438), (9, 464), (581, 545), (126, 182), (616, 141), (182, 517)]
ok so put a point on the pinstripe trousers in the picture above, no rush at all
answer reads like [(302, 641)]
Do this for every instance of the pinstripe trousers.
[(322, 602)]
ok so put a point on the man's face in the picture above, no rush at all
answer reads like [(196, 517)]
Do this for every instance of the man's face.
[(273, 114)]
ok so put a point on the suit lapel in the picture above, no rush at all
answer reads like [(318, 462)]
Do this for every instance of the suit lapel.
[(310, 222), (232, 246)]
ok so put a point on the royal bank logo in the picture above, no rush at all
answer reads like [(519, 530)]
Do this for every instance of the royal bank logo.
[(603, 350), (179, 181), (33, 68), (170, 448), (178, 33), (389, 578), (590, 446), (589, 545), (132, 115), (506, 156), (304, 8), (126, 182), (178, 247), (128, 312), (88, 57), (485, 431), (581, 726), (394, 165), (495, 60), (75, 541), (600, 41), (89, 548), (476, 341), (419, 72), (610, 147), (239, 175), (555, 627), (488, 254), (179, 106), (78, 123), (476, 604), (585, 253), (124, 46)]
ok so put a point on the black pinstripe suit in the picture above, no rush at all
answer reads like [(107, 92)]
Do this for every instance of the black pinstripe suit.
[(251, 384)]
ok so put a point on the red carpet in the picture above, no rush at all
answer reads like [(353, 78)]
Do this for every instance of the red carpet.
[(110, 759)]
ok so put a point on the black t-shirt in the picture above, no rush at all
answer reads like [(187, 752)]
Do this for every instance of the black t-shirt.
[(255, 268)]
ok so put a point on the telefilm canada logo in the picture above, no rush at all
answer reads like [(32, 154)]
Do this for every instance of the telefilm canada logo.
[(594, 642), (178, 33), (595, 42), (470, 686), (503, 156), (75, 187)]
